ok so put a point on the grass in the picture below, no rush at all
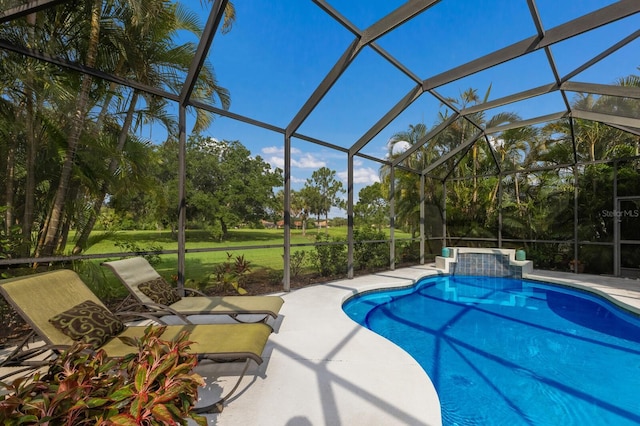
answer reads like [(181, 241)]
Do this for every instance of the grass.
[(200, 265)]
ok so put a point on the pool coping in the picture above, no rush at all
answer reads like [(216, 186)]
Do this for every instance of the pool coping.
[(623, 292)]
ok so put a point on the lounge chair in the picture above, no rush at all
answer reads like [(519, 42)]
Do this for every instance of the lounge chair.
[(136, 272), (42, 298)]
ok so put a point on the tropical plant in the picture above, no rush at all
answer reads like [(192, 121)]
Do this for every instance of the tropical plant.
[(467, 204), (154, 385), (79, 128), (232, 272), (151, 56)]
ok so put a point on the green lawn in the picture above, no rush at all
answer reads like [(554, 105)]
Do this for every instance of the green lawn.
[(200, 265)]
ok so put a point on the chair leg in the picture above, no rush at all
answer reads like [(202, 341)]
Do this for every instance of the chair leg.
[(218, 406)]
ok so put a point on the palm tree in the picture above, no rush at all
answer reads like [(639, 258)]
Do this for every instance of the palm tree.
[(465, 202), (150, 56), (407, 183), (50, 237)]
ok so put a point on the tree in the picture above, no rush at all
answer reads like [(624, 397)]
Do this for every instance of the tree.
[(300, 203), (466, 204), (78, 128), (246, 193), (372, 207), (150, 54), (48, 244), (407, 182), (322, 190), (297, 209), (225, 185)]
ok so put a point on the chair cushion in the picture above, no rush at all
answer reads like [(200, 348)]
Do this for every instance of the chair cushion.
[(160, 292), (88, 322)]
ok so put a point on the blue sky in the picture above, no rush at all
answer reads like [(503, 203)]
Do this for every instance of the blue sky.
[(278, 52)]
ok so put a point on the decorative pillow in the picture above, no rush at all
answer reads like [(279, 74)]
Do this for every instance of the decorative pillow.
[(159, 291), (89, 323)]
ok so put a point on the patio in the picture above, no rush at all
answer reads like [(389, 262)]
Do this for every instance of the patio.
[(552, 70), (322, 368)]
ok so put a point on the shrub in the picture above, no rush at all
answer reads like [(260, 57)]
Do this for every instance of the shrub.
[(329, 259), (232, 272), (155, 386), (297, 262), (370, 255), (409, 251)]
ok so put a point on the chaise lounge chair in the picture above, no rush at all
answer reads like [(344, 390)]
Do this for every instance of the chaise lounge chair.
[(43, 298), (143, 281)]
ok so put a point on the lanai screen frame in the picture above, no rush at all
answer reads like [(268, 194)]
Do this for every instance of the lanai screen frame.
[(541, 41)]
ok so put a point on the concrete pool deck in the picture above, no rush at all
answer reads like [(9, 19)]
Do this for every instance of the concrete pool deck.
[(321, 368)]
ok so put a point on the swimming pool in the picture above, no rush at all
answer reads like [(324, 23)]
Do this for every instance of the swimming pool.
[(503, 351)]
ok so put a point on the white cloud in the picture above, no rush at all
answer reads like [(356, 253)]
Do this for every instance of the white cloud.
[(276, 162), (279, 150), (362, 175), (307, 161), (496, 142), (272, 150), (400, 147)]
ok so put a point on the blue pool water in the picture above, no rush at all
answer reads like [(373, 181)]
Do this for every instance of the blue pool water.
[(514, 352)]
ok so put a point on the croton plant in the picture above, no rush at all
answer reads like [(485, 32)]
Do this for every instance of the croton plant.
[(154, 386)]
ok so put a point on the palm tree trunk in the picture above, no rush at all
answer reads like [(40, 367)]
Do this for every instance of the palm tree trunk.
[(326, 222), (9, 176), (30, 182), (42, 232), (77, 123), (517, 189), (494, 196), (30, 162), (304, 224), (475, 173), (83, 238)]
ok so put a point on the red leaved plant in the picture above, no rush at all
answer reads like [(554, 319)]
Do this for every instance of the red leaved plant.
[(153, 386)]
